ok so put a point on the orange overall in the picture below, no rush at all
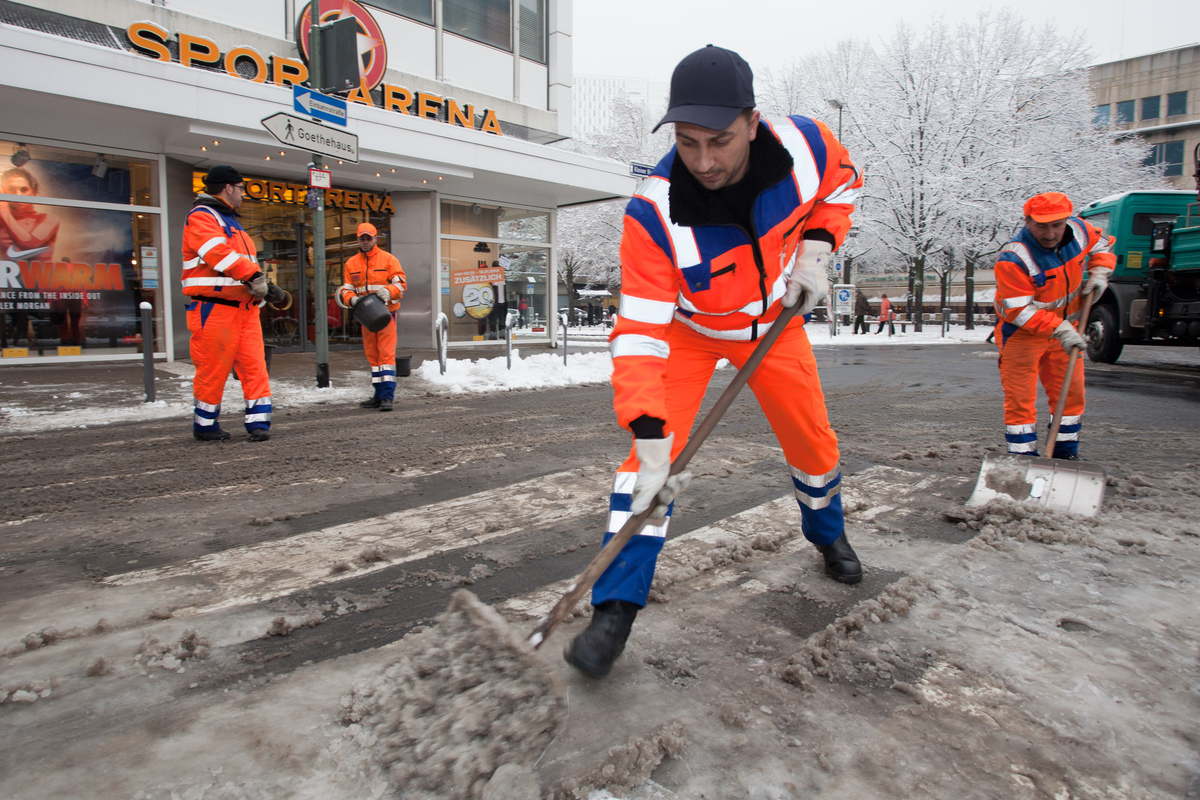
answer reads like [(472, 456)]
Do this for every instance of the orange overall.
[(697, 287), (362, 275), (222, 316), (1036, 289)]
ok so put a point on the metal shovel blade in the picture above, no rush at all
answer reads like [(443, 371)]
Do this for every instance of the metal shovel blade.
[(1075, 487)]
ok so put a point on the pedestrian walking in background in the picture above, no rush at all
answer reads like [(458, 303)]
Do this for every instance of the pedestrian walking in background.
[(862, 307), (1040, 286), (886, 315), (716, 243), (225, 288), (373, 271)]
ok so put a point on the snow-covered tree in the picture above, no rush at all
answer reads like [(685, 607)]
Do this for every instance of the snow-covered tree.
[(954, 129), (589, 236)]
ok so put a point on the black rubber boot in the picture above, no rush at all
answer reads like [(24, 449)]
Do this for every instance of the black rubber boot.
[(214, 435), (594, 651), (259, 435), (841, 562), (372, 403), (385, 404)]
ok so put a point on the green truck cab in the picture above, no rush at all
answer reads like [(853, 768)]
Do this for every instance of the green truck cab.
[(1153, 295)]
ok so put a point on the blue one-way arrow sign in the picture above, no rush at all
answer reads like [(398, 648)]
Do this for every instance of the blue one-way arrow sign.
[(320, 106)]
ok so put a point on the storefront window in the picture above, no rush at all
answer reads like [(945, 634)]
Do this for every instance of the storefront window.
[(494, 260), (73, 271), (276, 215)]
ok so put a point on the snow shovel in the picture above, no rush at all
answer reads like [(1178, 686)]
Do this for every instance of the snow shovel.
[(635, 523), (1076, 487)]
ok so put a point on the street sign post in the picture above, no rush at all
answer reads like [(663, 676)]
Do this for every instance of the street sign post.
[(313, 137), (320, 106), (841, 302)]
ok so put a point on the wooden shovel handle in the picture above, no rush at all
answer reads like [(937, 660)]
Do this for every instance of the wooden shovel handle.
[(1056, 421), (635, 523)]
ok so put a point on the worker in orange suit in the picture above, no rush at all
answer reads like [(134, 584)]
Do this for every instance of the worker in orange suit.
[(1040, 288), (737, 221), (225, 289), (371, 270)]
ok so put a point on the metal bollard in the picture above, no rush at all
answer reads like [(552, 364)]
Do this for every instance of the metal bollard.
[(563, 319), (508, 338), (148, 350), (945, 322), (443, 333)]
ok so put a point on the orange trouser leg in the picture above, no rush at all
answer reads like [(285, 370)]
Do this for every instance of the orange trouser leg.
[(251, 364), (381, 355), (787, 388), (1052, 369)]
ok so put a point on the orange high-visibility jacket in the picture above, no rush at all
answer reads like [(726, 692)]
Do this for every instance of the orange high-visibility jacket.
[(217, 252), (686, 261), (365, 274), (1036, 288)]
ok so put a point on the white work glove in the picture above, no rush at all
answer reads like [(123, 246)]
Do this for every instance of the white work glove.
[(1068, 336), (257, 285), (808, 283), (654, 483), (384, 294), (1097, 281), (354, 300)]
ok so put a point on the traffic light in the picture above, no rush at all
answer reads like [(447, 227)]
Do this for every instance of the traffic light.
[(339, 55)]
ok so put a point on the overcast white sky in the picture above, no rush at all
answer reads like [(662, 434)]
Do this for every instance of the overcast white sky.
[(641, 39)]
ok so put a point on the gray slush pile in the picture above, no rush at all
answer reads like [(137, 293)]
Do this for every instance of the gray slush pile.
[(470, 696)]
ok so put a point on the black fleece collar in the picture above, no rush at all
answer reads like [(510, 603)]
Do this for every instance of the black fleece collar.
[(215, 202), (693, 205)]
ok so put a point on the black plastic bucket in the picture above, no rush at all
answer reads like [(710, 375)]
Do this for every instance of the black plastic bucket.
[(371, 313), (404, 366)]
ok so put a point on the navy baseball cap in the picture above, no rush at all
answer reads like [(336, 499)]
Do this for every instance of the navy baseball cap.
[(710, 88)]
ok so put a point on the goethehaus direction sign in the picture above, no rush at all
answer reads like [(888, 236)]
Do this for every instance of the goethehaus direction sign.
[(308, 135)]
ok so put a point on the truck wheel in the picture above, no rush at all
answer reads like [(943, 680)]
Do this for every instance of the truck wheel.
[(1104, 337)]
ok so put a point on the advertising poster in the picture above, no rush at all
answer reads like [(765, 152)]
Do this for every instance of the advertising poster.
[(67, 275)]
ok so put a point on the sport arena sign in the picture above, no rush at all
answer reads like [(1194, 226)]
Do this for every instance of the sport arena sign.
[(151, 40)]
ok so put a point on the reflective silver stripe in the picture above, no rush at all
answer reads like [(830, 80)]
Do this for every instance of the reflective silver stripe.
[(753, 309), (815, 481), (203, 406), (617, 519), (1079, 232), (842, 194), (203, 422), (1103, 245), (687, 252), (1073, 436), (1018, 429), (209, 245), (346, 287), (395, 279), (210, 282), (1059, 303), (652, 312), (191, 263), (371, 287), (1022, 252), (1024, 316), (808, 176), (735, 335), (1016, 302), (817, 503), (227, 262), (258, 401), (636, 344), (266, 417), (1022, 447)]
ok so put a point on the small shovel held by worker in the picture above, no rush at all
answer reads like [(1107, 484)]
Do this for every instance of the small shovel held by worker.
[(1076, 487)]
